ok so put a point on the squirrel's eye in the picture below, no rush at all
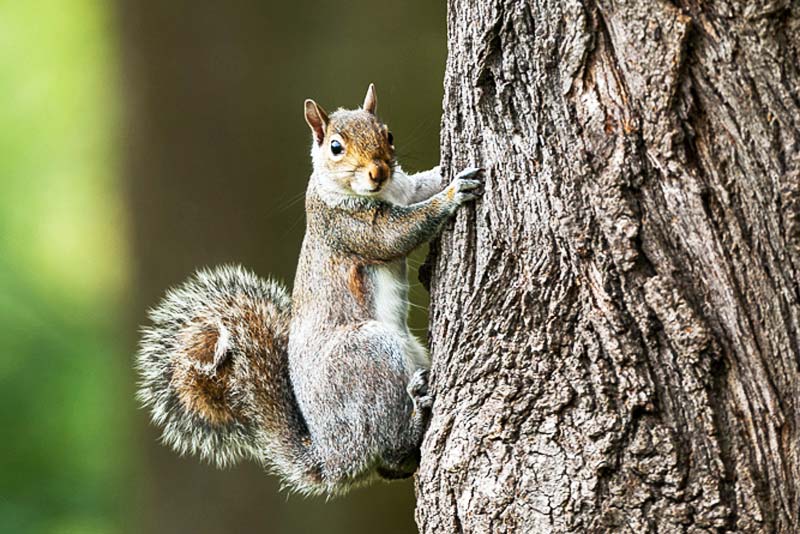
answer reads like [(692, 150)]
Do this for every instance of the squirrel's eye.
[(336, 147), (391, 139)]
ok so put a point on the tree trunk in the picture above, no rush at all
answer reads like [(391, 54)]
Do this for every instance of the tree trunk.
[(615, 326)]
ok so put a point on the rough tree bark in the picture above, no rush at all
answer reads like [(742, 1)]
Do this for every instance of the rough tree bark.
[(615, 327)]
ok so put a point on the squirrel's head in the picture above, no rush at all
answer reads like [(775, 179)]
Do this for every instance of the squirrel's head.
[(353, 151)]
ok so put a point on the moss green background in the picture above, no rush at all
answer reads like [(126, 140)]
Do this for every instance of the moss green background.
[(140, 140)]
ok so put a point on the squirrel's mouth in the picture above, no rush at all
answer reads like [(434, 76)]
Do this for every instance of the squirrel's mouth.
[(363, 185), (368, 190)]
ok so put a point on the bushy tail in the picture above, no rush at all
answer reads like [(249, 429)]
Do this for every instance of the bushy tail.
[(215, 376)]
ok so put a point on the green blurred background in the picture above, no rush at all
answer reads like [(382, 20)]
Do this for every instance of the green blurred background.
[(140, 140)]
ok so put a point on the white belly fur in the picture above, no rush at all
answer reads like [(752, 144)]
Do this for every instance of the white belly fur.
[(391, 310), (391, 298)]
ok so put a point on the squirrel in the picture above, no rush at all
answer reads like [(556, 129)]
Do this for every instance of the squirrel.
[(326, 388)]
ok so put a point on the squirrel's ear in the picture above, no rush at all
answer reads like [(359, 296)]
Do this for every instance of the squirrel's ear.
[(371, 100), (317, 120)]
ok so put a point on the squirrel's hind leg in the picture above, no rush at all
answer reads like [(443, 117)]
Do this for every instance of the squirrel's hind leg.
[(402, 462), (380, 417)]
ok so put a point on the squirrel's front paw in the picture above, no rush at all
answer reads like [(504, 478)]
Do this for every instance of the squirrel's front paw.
[(465, 186)]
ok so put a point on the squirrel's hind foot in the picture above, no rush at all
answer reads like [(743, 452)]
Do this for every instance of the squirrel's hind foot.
[(423, 402), (404, 467)]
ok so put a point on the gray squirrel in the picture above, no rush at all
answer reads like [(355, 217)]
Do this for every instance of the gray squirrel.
[(328, 389)]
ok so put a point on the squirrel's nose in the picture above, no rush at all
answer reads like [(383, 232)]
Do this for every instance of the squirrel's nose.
[(378, 171)]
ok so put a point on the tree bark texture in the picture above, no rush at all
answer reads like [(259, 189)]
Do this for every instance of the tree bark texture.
[(615, 326)]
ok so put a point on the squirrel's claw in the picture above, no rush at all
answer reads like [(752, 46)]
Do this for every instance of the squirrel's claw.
[(418, 391), (418, 385), (468, 185), (467, 189), (469, 172)]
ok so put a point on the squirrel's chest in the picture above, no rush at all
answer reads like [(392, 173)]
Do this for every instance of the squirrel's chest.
[(389, 294)]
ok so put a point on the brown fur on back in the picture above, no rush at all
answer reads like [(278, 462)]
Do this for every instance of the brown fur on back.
[(357, 283)]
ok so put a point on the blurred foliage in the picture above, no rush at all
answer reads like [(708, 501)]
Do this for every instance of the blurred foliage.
[(65, 461)]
